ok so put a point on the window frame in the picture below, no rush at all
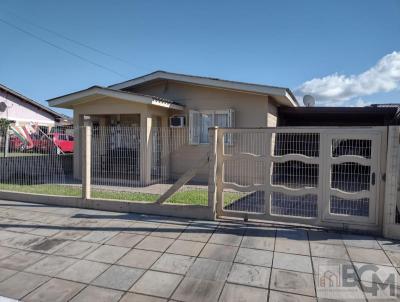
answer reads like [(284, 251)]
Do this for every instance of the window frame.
[(230, 121)]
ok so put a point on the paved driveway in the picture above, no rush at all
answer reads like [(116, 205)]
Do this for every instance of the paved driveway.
[(66, 254)]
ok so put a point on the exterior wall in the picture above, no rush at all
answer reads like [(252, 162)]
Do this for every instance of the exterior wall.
[(250, 111), (22, 112), (272, 115)]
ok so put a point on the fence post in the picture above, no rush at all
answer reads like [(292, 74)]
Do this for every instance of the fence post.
[(212, 164), (86, 161), (7, 143), (146, 150), (219, 204), (392, 194)]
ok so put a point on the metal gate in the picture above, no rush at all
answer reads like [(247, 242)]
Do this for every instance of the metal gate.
[(301, 175)]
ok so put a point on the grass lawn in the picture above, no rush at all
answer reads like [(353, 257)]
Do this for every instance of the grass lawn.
[(22, 154), (191, 197)]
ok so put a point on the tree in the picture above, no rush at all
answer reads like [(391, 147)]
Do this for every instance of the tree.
[(4, 125)]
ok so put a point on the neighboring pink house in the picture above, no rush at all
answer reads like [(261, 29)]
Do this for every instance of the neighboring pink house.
[(21, 110)]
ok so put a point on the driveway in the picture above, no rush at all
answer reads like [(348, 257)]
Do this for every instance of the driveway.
[(50, 253)]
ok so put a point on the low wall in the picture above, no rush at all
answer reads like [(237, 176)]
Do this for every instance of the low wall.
[(173, 210)]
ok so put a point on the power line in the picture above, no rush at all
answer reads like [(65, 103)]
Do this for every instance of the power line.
[(62, 49), (74, 41)]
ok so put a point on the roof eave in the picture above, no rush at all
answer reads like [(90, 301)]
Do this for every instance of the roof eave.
[(67, 101)]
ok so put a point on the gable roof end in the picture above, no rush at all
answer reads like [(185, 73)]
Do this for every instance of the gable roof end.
[(283, 95)]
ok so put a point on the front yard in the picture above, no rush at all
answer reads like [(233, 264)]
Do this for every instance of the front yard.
[(188, 196)]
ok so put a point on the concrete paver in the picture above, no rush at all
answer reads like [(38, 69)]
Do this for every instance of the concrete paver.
[(83, 271), (249, 275), (292, 282), (50, 266), (132, 297), (171, 263), (125, 240), (328, 251), (55, 290), (241, 293), (254, 257), (198, 290), (98, 294), (107, 253), (157, 244), (368, 256), (139, 258), (21, 284), (292, 246), (21, 260), (187, 248), (275, 296), (219, 252), (50, 253), (158, 284), (77, 249), (298, 263), (119, 277)]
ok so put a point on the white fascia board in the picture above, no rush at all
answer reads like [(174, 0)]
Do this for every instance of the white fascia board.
[(77, 98)]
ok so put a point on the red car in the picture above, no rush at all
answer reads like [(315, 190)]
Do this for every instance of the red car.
[(60, 142), (17, 145)]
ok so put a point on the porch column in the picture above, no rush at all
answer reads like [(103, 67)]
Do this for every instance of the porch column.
[(145, 148), (167, 137)]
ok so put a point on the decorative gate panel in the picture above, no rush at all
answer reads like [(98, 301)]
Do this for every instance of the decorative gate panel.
[(305, 175)]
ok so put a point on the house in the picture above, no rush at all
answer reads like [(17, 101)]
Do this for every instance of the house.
[(21, 110), (198, 103)]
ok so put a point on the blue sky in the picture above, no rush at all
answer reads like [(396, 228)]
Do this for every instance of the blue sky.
[(345, 52)]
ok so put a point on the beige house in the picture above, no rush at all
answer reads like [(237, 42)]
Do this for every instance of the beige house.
[(163, 99)]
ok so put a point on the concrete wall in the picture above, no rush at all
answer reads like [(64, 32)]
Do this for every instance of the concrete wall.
[(23, 112)]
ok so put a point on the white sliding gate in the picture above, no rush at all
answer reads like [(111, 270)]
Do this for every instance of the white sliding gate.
[(316, 176)]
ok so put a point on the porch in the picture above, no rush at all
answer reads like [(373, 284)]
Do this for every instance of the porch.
[(125, 138)]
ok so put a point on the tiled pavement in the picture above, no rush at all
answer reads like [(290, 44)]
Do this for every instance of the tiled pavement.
[(66, 254)]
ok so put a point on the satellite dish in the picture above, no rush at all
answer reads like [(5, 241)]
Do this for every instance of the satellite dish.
[(3, 106), (308, 100)]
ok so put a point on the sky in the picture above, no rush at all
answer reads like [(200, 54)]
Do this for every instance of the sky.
[(343, 52)]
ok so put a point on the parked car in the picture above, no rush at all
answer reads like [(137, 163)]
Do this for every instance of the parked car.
[(17, 145), (58, 142)]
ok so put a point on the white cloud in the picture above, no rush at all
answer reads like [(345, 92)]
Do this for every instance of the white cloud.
[(384, 76)]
